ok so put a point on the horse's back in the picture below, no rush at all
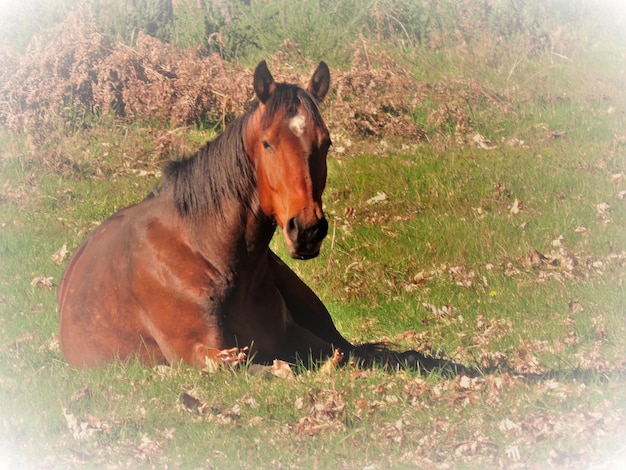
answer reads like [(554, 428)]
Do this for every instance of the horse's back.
[(137, 284), (97, 319)]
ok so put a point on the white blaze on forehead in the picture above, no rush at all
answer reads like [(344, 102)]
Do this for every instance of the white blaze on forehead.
[(297, 124)]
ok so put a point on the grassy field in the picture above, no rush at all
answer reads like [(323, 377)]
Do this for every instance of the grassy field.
[(501, 246)]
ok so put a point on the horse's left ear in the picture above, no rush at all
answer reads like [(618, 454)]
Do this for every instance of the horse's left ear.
[(320, 82), (263, 82)]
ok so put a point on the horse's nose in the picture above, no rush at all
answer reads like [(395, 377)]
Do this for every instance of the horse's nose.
[(313, 233), (305, 240)]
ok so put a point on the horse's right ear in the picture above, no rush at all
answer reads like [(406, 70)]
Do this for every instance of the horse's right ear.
[(263, 83)]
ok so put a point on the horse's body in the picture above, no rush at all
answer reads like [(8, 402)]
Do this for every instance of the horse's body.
[(188, 273)]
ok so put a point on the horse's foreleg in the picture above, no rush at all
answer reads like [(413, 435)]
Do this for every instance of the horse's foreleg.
[(306, 309)]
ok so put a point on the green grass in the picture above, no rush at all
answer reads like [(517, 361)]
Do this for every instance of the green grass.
[(442, 265)]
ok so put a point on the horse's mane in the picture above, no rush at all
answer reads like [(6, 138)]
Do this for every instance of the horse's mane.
[(220, 170)]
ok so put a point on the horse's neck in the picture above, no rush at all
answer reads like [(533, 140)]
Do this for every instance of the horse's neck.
[(237, 236)]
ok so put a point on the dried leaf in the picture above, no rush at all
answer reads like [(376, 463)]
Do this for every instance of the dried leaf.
[(59, 256), (603, 208), (233, 357), (380, 197), (508, 426), (574, 306), (43, 281), (250, 401), (82, 430), (190, 402), (536, 259), (481, 142), (517, 206), (328, 412), (226, 358), (528, 363), (443, 311), (557, 242), (148, 447), (331, 363), (512, 453), (282, 370)]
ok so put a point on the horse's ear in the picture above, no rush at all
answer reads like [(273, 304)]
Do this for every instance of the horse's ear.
[(263, 83), (320, 82)]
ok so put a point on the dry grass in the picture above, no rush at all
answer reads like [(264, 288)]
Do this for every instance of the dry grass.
[(73, 72)]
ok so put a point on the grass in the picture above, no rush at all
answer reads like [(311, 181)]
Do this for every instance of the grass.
[(444, 264)]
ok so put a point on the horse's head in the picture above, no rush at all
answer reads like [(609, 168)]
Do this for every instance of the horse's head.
[(288, 144)]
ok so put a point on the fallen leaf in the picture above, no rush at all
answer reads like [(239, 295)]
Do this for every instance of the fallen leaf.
[(250, 401), (465, 382), (528, 363), (555, 134), (331, 363), (226, 358), (481, 142), (508, 426), (512, 453), (618, 178), (574, 306), (233, 356), (43, 281), (328, 412), (299, 403), (380, 197), (281, 369), (82, 430), (558, 241), (190, 402), (466, 448), (500, 191), (517, 206), (535, 258), (148, 447), (442, 311), (59, 256)]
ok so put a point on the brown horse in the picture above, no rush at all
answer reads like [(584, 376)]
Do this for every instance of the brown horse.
[(188, 273)]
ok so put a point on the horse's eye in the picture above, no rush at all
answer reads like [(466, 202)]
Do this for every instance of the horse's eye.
[(266, 145)]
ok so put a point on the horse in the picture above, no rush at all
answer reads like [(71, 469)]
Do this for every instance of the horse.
[(187, 273)]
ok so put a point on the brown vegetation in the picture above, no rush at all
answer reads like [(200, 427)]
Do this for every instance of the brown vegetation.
[(74, 71)]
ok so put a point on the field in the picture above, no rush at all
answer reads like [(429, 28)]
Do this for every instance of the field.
[(477, 207)]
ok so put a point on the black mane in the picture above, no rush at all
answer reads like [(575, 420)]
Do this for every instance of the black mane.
[(221, 170)]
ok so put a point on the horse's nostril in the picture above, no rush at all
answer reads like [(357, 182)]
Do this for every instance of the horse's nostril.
[(322, 228), (292, 229)]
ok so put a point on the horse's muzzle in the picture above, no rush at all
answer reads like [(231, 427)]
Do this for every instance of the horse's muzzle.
[(305, 240)]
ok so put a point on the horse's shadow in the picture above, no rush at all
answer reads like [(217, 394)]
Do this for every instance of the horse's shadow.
[(386, 357)]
